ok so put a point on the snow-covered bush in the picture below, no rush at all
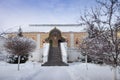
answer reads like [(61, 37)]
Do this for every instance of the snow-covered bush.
[(74, 55), (19, 46), (14, 58)]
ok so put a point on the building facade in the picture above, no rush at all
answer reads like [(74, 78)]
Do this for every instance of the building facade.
[(73, 39)]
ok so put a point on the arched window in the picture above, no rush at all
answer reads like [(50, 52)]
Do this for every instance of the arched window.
[(77, 41)]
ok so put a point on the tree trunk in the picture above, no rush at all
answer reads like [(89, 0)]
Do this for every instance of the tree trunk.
[(86, 57), (19, 63), (6, 59), (115, 73)]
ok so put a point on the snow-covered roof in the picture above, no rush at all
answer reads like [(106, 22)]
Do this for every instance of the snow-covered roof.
[(48, 27)]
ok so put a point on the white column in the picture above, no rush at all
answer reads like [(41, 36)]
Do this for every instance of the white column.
[(64, 51), (36, 56), (38, 41), (72, 40), (45, 52)]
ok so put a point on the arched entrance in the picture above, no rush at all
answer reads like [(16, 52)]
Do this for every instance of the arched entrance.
[(55, 37), (55, 57)]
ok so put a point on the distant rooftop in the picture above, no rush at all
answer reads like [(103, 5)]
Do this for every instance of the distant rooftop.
[(48, 27), (59, 25)]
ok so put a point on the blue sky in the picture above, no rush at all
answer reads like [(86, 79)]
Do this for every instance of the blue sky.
[(25, 12)]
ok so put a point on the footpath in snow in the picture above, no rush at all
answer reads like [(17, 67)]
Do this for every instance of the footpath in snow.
[(76, 71)]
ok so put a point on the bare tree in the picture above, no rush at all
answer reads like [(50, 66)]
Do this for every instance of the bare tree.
[(2, 41), (103, 24), (20, 46), (4, 32)]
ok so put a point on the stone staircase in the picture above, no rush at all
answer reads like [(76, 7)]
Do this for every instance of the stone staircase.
[(55, 57)]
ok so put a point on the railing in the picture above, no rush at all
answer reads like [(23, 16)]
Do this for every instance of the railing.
[(46, 47), (64, 51)]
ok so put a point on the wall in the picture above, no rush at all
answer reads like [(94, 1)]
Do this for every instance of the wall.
[(73, 39)]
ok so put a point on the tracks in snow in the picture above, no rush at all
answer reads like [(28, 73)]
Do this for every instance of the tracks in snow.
[(49, 73), (57, 73)]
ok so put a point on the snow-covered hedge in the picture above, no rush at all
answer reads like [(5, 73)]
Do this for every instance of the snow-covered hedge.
[(74, 55)]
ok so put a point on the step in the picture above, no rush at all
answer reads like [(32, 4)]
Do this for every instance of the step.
[(54, 57)]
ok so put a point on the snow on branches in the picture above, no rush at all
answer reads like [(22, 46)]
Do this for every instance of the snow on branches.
[(20, 45), (103, 28)]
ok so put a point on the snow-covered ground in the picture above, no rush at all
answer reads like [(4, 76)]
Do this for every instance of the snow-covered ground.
[(76, 71)]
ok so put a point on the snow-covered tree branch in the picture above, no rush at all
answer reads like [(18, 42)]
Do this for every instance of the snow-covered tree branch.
[(103, 27), (19, 46)]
